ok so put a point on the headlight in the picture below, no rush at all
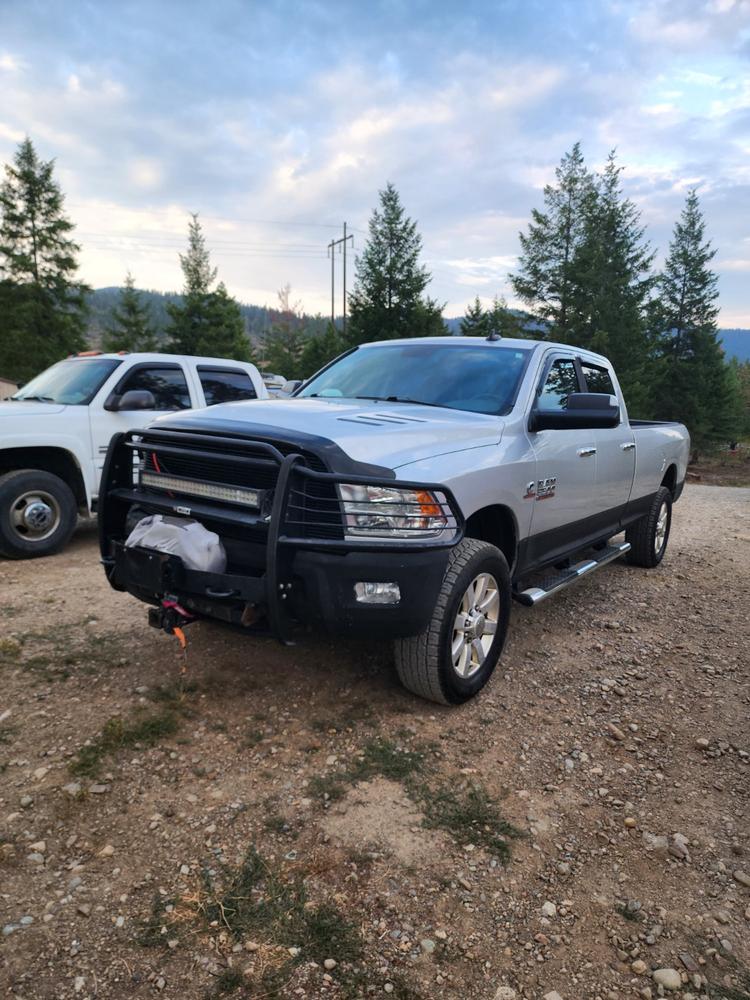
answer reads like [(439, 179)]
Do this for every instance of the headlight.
[(383, 511)]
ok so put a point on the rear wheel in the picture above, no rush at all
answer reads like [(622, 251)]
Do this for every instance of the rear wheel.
[(649, 536), (37, 514), (457, 653)]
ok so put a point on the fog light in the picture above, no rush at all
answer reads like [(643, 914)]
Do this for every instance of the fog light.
[(377, 593)]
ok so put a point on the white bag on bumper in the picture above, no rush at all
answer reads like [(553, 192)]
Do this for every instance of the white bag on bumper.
[(198, 547)]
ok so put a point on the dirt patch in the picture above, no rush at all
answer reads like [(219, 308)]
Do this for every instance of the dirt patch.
[(178, 834), (379, 815)]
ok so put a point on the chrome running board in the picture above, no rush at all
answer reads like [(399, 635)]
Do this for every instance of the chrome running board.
[(551, 584)]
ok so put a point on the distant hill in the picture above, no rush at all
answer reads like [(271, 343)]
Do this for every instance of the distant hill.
[(258, 319), (736, 343)]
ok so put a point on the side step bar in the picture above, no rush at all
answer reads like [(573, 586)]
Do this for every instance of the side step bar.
[(551, 584)]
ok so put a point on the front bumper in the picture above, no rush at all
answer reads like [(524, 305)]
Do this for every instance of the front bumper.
[(299, 578)]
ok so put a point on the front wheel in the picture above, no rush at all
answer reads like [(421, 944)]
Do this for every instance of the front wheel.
[(37, 514), (457, 653), (649, 536)]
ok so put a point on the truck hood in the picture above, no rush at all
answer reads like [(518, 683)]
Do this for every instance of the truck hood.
[(385, 434), (30, 409)]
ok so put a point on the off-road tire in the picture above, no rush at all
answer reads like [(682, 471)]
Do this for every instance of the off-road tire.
[(19, 483), (645, 549), (424, 662)]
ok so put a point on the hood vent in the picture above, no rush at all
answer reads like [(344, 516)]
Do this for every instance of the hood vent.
[(382, 419)]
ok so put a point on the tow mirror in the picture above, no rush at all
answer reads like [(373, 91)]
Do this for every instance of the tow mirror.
[(133, 399), (291, 385), (584, 410)]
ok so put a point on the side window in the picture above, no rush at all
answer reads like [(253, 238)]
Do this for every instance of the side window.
[(167, 384), (597, 379), (560, 382), (223, 385)]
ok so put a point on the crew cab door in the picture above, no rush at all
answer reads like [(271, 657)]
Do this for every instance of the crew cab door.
[(563, 490), (168, 384), (615, 450)]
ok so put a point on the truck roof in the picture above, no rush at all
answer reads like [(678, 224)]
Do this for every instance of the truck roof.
[(514, 342), (153, 356)]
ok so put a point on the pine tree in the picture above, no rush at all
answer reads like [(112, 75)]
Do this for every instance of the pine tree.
[(132, 328), (388, 300), (43, 313), (546, 280), (321, 348), (611, 284), (503, 321), (475, 322), (207, 323), (284, 343), (225, 335), (694, 383)]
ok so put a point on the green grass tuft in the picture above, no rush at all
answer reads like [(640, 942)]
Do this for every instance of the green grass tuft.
[(471, 816), (117, 734)]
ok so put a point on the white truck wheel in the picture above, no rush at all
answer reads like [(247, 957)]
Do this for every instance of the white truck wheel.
[(37, 514)]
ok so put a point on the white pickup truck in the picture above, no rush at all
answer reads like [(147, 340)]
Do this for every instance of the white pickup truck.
[(55, 431), (410, 489)]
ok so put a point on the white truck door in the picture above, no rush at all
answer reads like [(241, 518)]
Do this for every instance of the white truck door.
[(563, 492), (167, 383), (615, 448)]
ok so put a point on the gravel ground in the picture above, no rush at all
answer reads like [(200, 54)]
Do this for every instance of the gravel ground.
[(257, 821)]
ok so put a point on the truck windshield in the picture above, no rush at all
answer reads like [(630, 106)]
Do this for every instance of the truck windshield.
[(479, 377), (74, 382)]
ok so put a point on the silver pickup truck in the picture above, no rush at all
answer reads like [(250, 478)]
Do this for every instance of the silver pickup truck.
[(410, 490)]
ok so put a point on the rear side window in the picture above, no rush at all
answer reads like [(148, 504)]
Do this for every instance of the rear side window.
[(225, 385), (561, 381), (598, 380), (168, 386)]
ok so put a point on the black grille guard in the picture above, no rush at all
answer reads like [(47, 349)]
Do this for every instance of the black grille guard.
[(290, 504)]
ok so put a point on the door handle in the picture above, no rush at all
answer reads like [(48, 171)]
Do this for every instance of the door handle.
[(628, 446), (586, 452)]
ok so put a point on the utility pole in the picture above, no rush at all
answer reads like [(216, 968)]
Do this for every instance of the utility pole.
[(331, 249)]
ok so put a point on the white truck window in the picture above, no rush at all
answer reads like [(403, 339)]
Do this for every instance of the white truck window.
[(560, 382), (168, 385), (597, 379), (225, 385)]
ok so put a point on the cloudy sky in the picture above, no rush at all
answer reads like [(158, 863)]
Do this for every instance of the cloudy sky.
[(277, 121)]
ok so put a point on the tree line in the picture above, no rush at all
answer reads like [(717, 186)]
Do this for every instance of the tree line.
[(585, 276)]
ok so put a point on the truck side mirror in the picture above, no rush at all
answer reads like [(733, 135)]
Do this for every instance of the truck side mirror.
[(133, 399), (291, 385), (584, 411)]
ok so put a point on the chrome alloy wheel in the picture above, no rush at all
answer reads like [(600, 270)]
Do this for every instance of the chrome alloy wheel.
[(475, 625), (35, 515), (661, 528)]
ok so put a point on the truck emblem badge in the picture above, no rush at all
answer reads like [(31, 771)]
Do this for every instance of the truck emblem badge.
[(545, 488)]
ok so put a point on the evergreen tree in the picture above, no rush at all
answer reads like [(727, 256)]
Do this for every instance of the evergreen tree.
[(694, 382), (388, 300), (612, 280), (284, 343), (132, 328), (475, 322), (225, 335), (546, 280), (205, 323), (319, 349), (503, 321), (42, 304)]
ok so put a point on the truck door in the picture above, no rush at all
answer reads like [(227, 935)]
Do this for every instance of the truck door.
[(615, 450), (563, 491), (165, 380)]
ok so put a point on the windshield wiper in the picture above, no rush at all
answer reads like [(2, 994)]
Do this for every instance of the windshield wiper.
[(36, 399), (400, 399)]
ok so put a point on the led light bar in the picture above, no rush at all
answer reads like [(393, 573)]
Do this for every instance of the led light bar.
[(195, 488)]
